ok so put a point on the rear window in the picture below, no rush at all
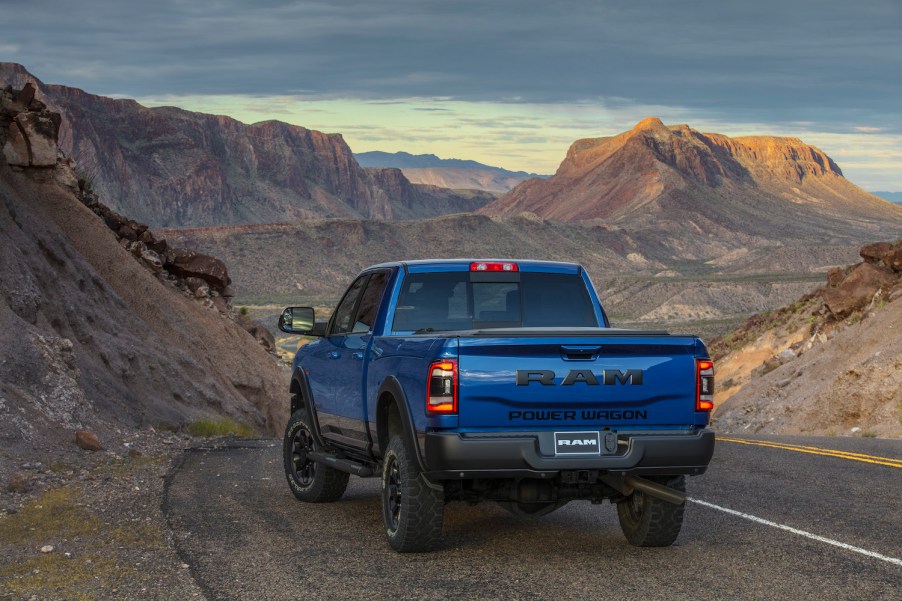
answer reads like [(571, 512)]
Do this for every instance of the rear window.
[(450, 301)]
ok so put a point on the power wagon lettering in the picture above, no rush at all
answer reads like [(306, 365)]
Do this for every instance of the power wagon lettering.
[(586, 414), (609, 377)]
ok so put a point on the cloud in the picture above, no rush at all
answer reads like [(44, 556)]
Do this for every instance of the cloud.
[(593, 65), (760, 57)]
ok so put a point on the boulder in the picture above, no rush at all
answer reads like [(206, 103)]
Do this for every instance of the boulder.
[(136, 248), (152, 259), (158, 246), (128, 232), (893, 257), (87, 440), (185, 263), (857, 289), (835, 276), (873, 253)]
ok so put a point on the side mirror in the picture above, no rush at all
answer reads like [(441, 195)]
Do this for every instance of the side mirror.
[(301, 320)]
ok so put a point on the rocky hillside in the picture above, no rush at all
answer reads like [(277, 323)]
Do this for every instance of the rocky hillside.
[(673, 180), (456, 174), (170, 167), (104, 325), (830, 363)]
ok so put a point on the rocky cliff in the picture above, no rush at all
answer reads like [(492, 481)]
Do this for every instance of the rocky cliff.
[(103, 325), (170, 167), (829, 363), (664, 178)]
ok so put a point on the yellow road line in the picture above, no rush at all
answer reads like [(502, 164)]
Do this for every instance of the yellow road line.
[(875, 459)]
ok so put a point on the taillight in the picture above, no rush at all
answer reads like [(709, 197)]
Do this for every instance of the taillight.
[(704, 390), (484, 266), (441, 389)]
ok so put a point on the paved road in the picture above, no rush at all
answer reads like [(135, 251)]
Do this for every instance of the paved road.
[(245, 537)]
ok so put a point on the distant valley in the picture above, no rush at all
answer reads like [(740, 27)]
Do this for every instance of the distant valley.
[(447, 173)]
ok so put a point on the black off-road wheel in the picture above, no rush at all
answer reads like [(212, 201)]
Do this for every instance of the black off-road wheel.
[(647, 521), (309, 481), (412, 508)]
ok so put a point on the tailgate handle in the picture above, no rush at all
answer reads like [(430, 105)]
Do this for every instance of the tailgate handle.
[(580, 353)]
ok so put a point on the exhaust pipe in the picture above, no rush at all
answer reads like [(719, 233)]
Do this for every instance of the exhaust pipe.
[(665, 493)]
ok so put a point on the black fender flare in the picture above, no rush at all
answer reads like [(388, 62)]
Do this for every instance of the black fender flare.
[(302, 398), (391, 389)]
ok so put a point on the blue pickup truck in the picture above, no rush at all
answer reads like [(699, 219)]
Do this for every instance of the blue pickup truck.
[(494, 380)]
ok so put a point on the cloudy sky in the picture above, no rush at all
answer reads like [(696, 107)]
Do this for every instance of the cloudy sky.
[(507, 82)]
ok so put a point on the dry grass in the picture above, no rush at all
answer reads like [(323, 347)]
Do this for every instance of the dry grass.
[(57, 516), (224, 426)]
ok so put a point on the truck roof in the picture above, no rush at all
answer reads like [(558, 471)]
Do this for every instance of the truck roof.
[(427, 265)]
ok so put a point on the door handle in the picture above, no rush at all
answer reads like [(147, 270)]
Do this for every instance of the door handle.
[(334, 355), (358, 355)]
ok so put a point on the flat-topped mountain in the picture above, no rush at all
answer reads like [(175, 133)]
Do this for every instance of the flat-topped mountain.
[(456, 174), (171, 167), (661, 177)]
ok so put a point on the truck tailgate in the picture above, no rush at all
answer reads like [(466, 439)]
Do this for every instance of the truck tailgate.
[(580, 382)]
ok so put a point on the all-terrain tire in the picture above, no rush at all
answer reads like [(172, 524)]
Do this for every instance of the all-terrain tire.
[(412, 508), (309, 481), (647, 521)]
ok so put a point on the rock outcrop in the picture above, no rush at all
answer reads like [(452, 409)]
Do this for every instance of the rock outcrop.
[(873, 280), (170, 167), (830, 363)]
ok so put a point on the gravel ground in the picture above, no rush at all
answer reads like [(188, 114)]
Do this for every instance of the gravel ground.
[(90, 527)]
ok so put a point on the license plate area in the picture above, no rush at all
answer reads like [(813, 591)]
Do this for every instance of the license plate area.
[(577, 443)]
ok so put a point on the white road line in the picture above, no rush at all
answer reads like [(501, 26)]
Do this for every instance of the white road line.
[(816, 537)]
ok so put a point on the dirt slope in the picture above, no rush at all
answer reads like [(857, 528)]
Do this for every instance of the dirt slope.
[(831, 363), (91, 337)]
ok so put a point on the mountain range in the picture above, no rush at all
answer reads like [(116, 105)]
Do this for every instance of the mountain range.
[(170, 167), (447, 173), (895, 197), (673, 224)]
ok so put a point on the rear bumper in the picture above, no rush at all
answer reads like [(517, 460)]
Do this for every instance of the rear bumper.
[(456, 456)]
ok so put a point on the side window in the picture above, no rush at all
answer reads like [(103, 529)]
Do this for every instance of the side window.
[(369, 304), (341, 323)]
